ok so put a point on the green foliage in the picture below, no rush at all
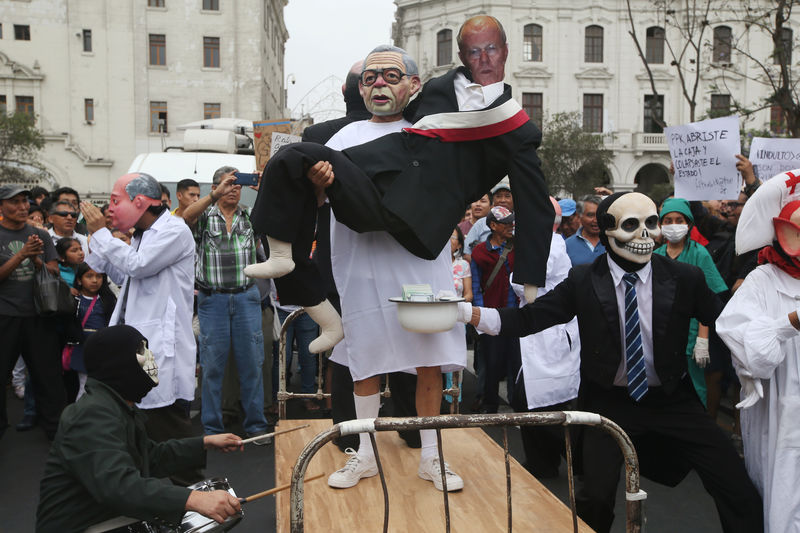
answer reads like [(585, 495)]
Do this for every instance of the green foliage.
[(20, 142), (573, 161)]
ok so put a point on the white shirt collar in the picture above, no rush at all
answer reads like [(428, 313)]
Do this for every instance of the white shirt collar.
[(617, 272), (468, 90)]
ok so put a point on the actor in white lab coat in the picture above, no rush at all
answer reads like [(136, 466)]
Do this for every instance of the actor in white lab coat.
[(156, 274), (761, 327)]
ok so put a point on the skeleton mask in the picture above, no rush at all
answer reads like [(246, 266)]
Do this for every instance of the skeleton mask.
[(635, 225), (147, 361)]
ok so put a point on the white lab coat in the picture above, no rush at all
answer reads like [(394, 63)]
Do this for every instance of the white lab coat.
[(160, 300), (551, 359), (369, 268), (763, 343)]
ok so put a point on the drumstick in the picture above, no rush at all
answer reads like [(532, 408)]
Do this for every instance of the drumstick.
[(259, 437), (276, 489)]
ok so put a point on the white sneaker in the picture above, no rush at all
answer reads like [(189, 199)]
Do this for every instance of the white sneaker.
[(430, 471), (357, 467)]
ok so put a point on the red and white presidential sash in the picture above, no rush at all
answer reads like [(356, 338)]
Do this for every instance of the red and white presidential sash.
[(471, 125)]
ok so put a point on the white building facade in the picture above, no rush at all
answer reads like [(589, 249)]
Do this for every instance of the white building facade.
[(579, 56), (109, 80)]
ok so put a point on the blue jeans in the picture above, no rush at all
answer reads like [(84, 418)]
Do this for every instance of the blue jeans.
[(225, 320), (304, 330)]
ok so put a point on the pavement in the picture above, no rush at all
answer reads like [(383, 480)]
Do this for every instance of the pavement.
[(686, 508)]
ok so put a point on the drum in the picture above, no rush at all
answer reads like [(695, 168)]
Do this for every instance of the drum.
[(192, 521)]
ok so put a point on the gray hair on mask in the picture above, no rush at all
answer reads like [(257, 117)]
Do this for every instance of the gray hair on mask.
[(143, 184), (408, 61), (220, 172)]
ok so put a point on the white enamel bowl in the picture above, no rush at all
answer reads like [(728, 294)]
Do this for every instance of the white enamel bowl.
[(427, 317)]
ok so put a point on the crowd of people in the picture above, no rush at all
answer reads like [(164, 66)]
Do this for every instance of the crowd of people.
[(606, 303)]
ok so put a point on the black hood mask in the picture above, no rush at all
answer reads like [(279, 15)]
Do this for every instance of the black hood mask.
[(110, 356)]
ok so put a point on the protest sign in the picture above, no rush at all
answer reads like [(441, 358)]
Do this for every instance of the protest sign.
[(770, 157), (281, 139), (262, 131), (703, 154)]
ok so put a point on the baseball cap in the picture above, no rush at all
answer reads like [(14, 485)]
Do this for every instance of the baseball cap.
[(502, 184), (567, 207), (10, 191), (500, 214)]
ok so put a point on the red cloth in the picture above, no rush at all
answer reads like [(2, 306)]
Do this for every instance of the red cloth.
[(486, 259), (696, 236), (790, 265)]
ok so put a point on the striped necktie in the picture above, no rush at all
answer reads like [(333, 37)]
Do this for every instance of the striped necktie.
[(634, 355)]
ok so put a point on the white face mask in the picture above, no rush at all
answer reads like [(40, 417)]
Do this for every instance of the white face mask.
[(675, 232)]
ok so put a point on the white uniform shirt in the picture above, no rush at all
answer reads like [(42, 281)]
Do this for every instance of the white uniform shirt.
[(764, 345), (369, 268), (644, 297), (160, 299), (551, 359)]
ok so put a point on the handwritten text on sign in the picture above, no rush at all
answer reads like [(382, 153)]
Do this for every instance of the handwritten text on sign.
[(770, 157), (703, 154)]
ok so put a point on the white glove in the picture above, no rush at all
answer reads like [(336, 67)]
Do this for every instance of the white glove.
[(464, 312), (752, 390), (530, 293), (700, 352)]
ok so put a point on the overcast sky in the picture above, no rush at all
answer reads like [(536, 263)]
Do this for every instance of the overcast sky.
[(326, 37)]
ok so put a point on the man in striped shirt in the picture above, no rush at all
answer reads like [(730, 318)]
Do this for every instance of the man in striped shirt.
[(228, 303)]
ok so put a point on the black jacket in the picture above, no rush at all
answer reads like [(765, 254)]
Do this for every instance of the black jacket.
[(679, 294)]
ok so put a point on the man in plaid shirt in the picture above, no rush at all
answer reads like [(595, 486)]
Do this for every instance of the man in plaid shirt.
[(228, 303)]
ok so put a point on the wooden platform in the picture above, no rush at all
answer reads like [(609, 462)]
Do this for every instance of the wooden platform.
[(414, 504)]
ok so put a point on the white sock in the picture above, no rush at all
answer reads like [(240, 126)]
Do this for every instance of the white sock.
[(429, 447), (366, 407)]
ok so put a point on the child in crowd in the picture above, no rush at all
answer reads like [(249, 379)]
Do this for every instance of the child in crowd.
[(96, 302), (70, 255)]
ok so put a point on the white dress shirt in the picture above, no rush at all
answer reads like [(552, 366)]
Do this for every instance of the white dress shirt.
[(473, 96), (83, 239), (644, 297)]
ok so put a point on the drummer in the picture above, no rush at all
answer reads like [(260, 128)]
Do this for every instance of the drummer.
[(102, 465)]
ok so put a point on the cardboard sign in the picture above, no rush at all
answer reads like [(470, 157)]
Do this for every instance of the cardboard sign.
[(282, 139), (262, 131), (703, 154), (770, 157)]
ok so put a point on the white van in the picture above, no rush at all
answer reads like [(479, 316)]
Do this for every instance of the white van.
[(207, 146)]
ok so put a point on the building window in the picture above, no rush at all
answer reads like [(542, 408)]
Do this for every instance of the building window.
[(211, 52), (654, 47), (88, 109), (593, 47), (22, 32), (720, 105), (158, 49), (532, 104), (777, 120), (158, 117), (532, 43), (722, 45), (593, 112), (87, 40), (155, 3), (653, 113), (211, 5), (444, 47), (25, 104), (211, 111), (3, 104), (786, 44)]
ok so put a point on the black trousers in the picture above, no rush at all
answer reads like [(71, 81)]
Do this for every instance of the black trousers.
[(173, 422), (36, 339), (503, 360), (672, 434), (543, 445), (385, 185)]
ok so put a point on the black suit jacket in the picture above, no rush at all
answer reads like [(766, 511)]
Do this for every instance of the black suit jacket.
[(679, 294)]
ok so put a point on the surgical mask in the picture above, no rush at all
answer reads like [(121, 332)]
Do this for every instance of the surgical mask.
[(675, 232)]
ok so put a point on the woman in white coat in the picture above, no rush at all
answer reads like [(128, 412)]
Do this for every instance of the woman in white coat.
[(760, 326)]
